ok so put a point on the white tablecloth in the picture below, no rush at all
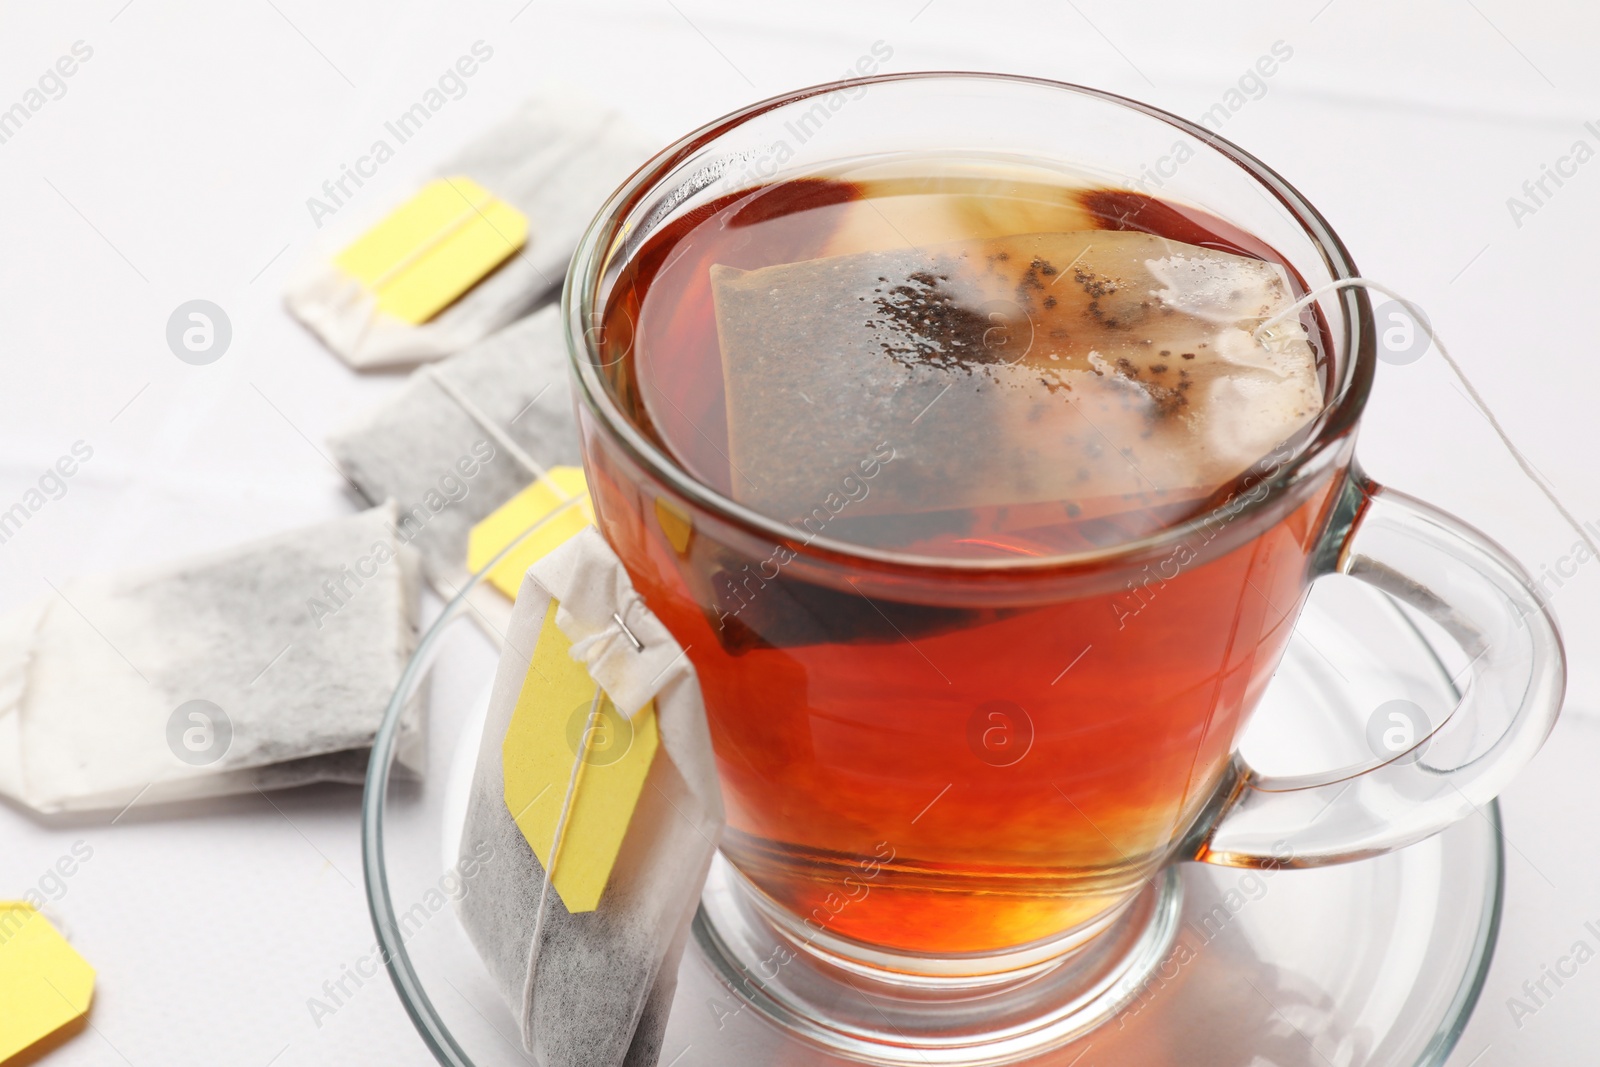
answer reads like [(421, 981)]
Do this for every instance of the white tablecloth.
[(176, 162)]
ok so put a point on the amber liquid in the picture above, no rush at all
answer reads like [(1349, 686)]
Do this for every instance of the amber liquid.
[(937, 767)]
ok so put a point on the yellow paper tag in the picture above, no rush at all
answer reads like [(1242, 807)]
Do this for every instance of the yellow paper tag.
[(676, 523), (507, 522), (559, 738), (434, 247), (45, 986)]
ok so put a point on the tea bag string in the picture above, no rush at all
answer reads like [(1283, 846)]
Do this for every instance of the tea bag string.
[(437, 238), (501, 438), (1528, 469), (556, 842)]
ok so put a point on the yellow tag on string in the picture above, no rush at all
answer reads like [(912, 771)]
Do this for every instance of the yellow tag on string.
[(565, 737), (507, 522), (434, 247), (676, 523), (45, 986)]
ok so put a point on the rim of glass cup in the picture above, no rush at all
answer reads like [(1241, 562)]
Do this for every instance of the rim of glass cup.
[(1354, 358)]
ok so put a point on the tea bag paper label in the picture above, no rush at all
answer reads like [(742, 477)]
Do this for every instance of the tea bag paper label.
[(434, 247), (508, 522), (574, 767), (44, 984)]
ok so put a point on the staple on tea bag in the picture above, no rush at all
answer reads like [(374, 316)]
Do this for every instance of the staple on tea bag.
[(461, 438), (553, 161), (290, 646), (591, 987), (1109, 369)]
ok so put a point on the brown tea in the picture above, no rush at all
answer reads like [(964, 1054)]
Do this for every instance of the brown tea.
[(955, 361)]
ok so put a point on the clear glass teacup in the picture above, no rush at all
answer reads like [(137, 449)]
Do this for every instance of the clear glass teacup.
[(949, 771)]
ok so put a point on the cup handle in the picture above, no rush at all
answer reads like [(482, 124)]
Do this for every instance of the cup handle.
[(1509, 701)]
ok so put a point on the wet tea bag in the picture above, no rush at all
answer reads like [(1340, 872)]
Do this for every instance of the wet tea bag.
[(1088, 372), (262, 666), (461, 438), (595, 778), (478, 246)]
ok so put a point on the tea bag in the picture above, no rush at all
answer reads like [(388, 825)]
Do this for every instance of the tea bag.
[(1094, 371), (262, 666), (462, 437), (552, 163), (586, 948)]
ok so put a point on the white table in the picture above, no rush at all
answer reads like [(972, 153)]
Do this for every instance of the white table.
[(177, 162)]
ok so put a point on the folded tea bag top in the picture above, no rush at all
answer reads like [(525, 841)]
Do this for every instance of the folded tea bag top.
[(261, 666), (1092, 366), (480, 244), (595, 778)]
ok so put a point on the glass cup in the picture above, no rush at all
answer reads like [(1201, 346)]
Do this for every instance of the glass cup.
[(963, 771)]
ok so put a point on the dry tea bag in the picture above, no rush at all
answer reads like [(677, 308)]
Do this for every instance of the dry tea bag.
[(461, 438), (1089, 372), (262, 666), (478, 246), (596, 784)]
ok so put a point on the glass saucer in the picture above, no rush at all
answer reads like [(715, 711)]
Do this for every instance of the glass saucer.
[(1370, 964)]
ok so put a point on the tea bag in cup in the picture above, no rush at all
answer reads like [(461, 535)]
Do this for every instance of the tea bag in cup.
[(462, 437), (262, 666), (595, 780), (478, 246), (1022, 395), (1082, 373)]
